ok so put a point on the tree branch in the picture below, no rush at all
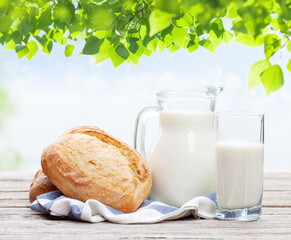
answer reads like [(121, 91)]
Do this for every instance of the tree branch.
[(140, 11)]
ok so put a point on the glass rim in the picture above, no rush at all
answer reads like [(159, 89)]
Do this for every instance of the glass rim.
[(202, 91), (239, 114)]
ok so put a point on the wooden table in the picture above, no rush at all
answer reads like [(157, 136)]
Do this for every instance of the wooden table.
[(18, 221)]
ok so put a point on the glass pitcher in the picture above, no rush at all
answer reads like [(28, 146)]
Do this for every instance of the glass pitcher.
[(182, 157)]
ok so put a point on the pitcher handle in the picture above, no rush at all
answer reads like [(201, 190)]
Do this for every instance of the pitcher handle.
[(140, 128)]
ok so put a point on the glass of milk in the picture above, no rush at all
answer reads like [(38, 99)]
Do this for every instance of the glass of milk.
[(239, 165)]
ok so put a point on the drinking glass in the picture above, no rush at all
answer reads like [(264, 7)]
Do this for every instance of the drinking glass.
[(239, 165)]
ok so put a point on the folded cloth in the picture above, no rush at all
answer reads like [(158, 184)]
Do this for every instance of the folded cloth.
[(57, 204)]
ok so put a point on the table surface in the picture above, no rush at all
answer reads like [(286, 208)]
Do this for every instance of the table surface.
[(18, 221)]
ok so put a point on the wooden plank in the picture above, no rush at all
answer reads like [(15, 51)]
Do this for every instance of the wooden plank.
[(268, 212), (12, 186), (13, 195), (36, 217), (94, 236), (180, 228), (17, 221), (22, 211), (269, 200), (20, 203), (16, 175), (277, 198)]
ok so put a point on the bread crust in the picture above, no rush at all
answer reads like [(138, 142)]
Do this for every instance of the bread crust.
[(40, 185), (121, 176)]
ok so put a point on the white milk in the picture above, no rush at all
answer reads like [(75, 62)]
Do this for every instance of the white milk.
[(239, 174), (183, 157)]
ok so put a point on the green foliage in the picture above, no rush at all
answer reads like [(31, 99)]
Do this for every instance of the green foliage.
[(159, 20), (125, 30), (92, 45), (272, 45), (254, 76), (272, 79), (289, 65), (69, 50)]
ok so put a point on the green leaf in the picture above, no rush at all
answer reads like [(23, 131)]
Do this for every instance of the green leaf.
[(206, 43), (32, 46), (115, 58), (59, 38), (4, 3), (17, 37), (173, 48), (249, 40), (159, 20), (92, 46), (147, 52), (153, 45), (178, 36), (232, 10), (272, 79), (26, 27), (48, 47), (289, 46), (215, 41), (254, 17), (45, 44), (193, 47), (21, 51), (227, 37), (169, 6), (122, 51), (255, 71), (10, 45), (238, 26), (186, 21), (103, 53), (45, 19), (101, 18), (101, 56), (289, 65), (133, 47), (164, 43), (272, 45), (63, 12), (6, 23), (69, 50), (133, 59), (217, 27)]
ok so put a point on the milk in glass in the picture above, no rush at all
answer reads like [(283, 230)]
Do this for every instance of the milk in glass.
[(239, 174), (183, 157)]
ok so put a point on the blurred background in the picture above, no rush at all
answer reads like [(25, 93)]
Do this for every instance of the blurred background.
[(42, 98)]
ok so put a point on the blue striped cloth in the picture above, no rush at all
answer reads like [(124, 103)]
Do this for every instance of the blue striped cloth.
[(57, 204)]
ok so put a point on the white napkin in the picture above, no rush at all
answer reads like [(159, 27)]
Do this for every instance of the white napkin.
[(57, 204)]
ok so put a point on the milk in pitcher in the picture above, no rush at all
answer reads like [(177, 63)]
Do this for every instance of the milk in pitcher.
[(183, 157)]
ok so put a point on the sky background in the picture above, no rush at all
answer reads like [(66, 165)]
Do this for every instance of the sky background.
[(51, 94)]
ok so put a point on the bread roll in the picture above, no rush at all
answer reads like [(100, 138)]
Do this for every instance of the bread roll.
[(40, 185), (87, 163)]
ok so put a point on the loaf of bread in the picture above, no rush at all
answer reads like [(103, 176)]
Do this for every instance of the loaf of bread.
[(87, 163), (40, 185)]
